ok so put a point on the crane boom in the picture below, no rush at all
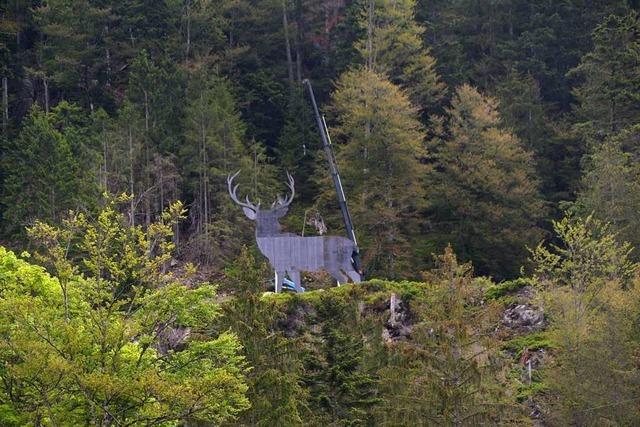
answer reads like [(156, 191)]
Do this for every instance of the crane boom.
[(335, 176)]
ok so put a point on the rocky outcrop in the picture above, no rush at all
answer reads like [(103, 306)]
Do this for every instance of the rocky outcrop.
[(398, 327), (523, 317)]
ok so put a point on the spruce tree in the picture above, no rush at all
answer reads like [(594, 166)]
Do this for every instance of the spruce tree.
[(43, 178), (381, 143), (482, 191), (216, 147), (393, 47), (611, 184), (608, 95)]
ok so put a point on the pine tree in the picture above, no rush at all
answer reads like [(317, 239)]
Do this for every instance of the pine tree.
[(483, 192), (447, 374), (393, 47), (74, 51), (349, 391), (43, 176), (275, 392), (216, 146), (608, 94), (381, 144), (611, 185), (299, 143), (556, 151)]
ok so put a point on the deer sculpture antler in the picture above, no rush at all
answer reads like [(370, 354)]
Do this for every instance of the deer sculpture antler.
[(279, 203), (232, 192), (287, 201)]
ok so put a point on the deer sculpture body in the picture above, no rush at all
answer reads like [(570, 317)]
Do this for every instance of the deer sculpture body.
[(289, 254)]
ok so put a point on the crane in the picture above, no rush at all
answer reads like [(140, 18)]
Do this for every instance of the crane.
[(335, 176)]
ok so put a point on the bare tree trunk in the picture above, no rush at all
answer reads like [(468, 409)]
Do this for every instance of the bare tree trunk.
[(104, 161), (147, 197), (107, 55), (46, 94), (297, 41), (132, 206), (5, 105), (161, 182), (205, 181), (188, 13), (370, 36), (285, 25)]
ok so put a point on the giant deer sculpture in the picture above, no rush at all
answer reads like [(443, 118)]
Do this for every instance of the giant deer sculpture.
[(290, 254)]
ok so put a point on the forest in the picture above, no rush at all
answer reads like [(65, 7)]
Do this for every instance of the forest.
[(490, 157)]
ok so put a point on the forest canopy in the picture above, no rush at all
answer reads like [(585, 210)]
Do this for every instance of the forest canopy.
[(489, 152)]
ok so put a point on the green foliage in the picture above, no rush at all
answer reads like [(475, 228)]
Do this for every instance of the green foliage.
[(447, 374), (46, 169), (531, 342), (592, 301), (393, 48), (275, 392), (588, 256), (611, 184), (216, 147), (96, 347), (494, 292), (483, 194), (380, 160), (608, 95)]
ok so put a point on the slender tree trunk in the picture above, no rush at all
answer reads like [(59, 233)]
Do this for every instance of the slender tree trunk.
[(5, 105), (287, 43), (147, 197), (161, 182), (132, 206), (298, 39), (188, 41), (45, 81), (370, 36), (104, 160)]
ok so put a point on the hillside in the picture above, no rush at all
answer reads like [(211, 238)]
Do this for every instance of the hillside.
[(163, 169)]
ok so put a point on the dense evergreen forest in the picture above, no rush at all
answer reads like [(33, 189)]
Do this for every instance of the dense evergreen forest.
[(489, 151)]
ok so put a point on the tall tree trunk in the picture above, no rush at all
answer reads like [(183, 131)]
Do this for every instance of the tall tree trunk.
[(188, 41), (132, 205), (370, 36), (104, 161), (287, 43), (298, 40), (45, 81), (147, 197), (5, 105)]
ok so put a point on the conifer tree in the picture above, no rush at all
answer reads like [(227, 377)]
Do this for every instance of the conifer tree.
[(275, 391), (611, 184), (608, 96), (447, 373), (43, 173), (382, 143), (483, 192), (393, 47), (216, 147)]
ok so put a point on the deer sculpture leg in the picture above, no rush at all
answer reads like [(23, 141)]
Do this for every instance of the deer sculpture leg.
[(295, 277), (278, 281), (354, 276), (339, 276)]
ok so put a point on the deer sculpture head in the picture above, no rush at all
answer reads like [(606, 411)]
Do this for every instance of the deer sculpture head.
[(266, 219)]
